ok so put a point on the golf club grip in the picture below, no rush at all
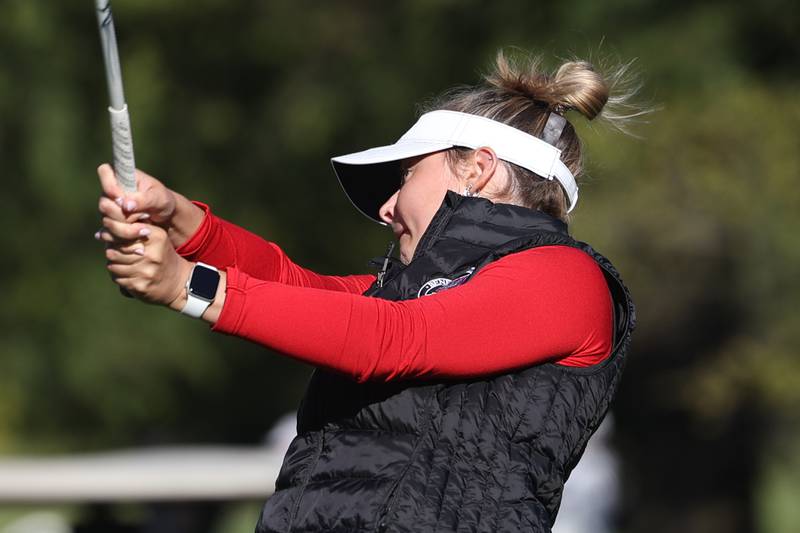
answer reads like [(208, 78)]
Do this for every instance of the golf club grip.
[(122, 143)]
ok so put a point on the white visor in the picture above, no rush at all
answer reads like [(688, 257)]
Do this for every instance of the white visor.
[(370, 177)]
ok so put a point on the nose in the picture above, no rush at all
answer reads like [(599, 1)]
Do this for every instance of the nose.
[(386, 211)]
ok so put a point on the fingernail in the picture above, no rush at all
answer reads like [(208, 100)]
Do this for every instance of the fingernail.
[(119, 201), (131, 205), (97, 235), (144, 232), (139, 251), (144, 216)]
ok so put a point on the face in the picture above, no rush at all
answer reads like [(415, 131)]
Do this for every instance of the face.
[(410, 210)]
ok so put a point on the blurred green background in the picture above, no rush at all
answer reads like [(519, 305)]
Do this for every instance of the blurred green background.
[(240, 104)]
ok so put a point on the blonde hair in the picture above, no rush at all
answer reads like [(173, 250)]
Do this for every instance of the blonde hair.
[(521, 93)]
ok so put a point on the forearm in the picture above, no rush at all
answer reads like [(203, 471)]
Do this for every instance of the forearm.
[(368, 339), (223, 244)]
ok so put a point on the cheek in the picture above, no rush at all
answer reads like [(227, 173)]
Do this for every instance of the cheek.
[(406, 203), (419, 199), (415, 208)]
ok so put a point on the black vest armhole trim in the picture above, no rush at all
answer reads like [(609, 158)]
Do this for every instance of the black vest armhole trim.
[(621, 327)]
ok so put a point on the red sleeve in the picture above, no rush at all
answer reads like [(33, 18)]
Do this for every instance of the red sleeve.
[(223, 244), (544, 304)]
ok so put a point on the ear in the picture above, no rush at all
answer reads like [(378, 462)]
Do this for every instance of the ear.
[(486, 164)]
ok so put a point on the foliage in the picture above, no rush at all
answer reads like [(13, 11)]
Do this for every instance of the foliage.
[(240, 104)]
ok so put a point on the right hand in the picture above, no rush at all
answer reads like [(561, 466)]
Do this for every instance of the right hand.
[(152, 199)]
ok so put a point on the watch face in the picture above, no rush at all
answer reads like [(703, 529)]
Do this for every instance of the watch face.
[(204, 283)]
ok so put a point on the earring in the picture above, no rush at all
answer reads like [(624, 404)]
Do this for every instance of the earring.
[(467, 191)]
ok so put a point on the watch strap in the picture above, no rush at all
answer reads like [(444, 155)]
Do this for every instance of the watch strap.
[(195, 307)]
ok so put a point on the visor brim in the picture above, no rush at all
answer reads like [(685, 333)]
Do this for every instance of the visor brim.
[(371, 177)]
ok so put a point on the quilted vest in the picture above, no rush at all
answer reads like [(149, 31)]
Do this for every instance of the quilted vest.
[(489, 454)]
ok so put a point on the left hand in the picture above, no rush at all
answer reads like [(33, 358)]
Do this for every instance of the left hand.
[(142, 260)]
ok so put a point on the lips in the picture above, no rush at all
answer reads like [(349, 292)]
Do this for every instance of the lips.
[(398, 229)]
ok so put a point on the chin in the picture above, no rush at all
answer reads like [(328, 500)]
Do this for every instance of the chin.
[(405, 254), (406, 248)]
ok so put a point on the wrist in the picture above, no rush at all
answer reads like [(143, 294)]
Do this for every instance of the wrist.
[(213, 311), (179, 301), (186, 219)]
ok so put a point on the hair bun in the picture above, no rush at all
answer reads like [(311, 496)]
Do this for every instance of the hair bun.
[(575, 85), (527, 80)]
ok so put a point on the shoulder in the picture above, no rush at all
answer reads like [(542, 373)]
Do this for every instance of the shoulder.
[(547, 303), (564, 279), (554, 263)]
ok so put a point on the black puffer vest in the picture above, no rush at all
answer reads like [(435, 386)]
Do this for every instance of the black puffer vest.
[(489, 454)]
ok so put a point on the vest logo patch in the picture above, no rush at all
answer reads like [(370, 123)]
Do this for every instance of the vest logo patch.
[(439, 284)]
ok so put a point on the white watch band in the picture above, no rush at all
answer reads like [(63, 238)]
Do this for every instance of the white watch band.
[(195, 307)]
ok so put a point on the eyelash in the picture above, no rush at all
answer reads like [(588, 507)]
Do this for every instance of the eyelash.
[(403, 175)]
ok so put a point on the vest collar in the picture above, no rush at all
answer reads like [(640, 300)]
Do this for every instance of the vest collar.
[(506, 222), (472, 221)]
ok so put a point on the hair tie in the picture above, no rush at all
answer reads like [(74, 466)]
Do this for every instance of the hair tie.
[(553, 128)]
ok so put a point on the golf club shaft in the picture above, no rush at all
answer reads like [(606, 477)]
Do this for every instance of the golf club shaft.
[(121, 137)]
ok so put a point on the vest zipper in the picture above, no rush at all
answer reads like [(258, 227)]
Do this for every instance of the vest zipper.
[(306, 480), (440, 220), (382, 273), (388, 503)]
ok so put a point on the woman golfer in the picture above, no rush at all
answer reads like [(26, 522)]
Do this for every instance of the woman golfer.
[(455, 390)]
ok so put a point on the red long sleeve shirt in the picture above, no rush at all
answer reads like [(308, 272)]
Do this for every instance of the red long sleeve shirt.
[(544, 304)]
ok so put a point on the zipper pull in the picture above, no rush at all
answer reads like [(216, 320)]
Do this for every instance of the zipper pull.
[(382, 273)]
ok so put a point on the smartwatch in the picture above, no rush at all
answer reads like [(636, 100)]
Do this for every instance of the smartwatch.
[(201, 289)]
